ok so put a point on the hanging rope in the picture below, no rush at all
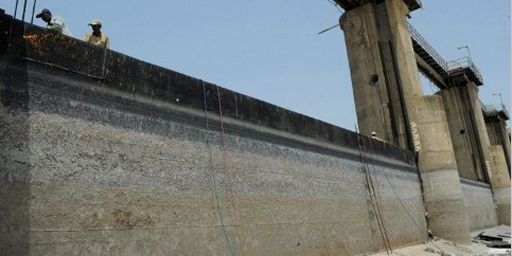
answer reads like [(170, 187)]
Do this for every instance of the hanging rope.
[(402, 204), (228, 172), (378, 198), (373, 198), (213, 185)]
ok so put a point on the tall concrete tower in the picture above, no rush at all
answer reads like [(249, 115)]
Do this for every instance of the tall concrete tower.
[(389, 100)]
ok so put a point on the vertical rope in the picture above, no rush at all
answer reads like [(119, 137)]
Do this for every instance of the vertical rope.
[(229, 178), (378, 198), (373, 198), (215, 194)]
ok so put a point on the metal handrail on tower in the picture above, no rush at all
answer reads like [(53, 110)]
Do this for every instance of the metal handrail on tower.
[(416, 36), (465, 63), (495, 110), (447, 68)]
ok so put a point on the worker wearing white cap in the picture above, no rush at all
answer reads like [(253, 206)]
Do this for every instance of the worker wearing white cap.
[(96, 37)]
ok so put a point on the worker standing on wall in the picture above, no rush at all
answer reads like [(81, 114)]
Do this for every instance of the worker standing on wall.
[(55, 23), (96, 37)]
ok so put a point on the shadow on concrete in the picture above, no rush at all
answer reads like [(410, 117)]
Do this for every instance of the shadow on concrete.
[(15, 154)]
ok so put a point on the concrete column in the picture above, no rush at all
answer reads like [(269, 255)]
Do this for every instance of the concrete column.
[(383, 69), (481, 127), (500, 183), (496, 166), (467, 129), (497, 129), (500, 160), (371, 95), (389, 100), (476, 158), (442, 190)]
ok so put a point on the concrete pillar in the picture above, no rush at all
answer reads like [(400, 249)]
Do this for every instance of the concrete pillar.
[(496, 122), (476, 158), (500, 183), (442, 190), (467, 129), (383, 69), (389, 100)]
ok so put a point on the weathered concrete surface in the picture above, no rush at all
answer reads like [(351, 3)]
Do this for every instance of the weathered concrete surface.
[(138, 160), (480, 207), (383, 69), (469, 142), (496, 123), (88, 182), (500, 182), (371, 96), (476, 158), (388, 98), (373, 69), (441, 184)]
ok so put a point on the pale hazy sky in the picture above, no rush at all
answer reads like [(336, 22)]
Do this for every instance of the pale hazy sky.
[(270, 49)]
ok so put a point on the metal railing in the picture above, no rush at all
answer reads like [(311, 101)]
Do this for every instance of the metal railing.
[(450, 66), (494, 109), (24, 10), (462, 63), (488, 108), (416, 36)]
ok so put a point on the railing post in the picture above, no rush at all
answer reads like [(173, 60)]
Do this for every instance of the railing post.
[(24, 10), (16, 8), (33, 12)]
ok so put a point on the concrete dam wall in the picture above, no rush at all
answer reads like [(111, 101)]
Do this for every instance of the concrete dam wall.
[(103, 154), (479, 203)]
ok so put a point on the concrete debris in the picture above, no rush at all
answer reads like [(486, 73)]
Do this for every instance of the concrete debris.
[(497, 239), (481, 245), (428, 249)]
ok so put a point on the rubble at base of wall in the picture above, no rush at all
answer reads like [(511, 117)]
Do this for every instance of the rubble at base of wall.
[(482, 245)]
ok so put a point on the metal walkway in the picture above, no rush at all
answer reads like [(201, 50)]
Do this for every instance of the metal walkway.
[(443, 68)]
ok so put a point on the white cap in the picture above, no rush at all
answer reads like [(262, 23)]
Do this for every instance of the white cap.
[(374, 133), (95, 22)]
